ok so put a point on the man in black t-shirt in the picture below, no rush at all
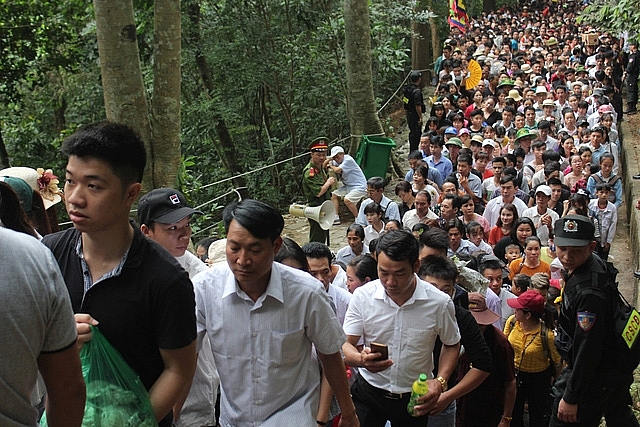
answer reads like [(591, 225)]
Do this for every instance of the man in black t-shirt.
[(124, 284)]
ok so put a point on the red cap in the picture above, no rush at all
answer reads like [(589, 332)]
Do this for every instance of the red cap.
[(529, 300), (318, 144), (479, 310)]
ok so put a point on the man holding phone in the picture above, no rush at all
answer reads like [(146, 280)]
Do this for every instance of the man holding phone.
[(406, 314)]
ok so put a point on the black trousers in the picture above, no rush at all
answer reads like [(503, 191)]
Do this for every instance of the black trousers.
[(374, 409), (316, 233), (414, 130), (608, 396), (534, 388), (632, 92)]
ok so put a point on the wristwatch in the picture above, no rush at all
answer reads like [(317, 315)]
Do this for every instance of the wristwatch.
[(443, 382)]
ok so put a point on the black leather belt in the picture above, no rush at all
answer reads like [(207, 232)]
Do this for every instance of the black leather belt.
[(384, 393), (394, 396)]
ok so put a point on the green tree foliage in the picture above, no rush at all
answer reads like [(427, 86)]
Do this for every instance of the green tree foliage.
[(278, 71), (278, 78), (613, 16), (35, 38)]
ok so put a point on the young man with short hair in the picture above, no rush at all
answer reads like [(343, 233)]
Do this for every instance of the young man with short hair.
[(262, 318), (442, 273), (469, 182), (543, 217), (508, 190), (375, 188), (119, 281), (164, 217), (544, 135), (529, 169), (387, 311), (492, 184), (491, 269), (436, 160)]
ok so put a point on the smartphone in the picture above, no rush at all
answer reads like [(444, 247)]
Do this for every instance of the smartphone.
[(380, 348)]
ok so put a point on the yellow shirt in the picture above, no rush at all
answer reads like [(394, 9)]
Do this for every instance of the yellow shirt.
[(532, 359)]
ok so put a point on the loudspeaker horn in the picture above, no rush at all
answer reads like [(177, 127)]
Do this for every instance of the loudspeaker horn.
[(323, 214)]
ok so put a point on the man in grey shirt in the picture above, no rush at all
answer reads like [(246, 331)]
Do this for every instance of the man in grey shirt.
[(38, 334)]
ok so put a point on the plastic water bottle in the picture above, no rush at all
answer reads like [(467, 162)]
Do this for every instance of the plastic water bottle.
[(419, 389)]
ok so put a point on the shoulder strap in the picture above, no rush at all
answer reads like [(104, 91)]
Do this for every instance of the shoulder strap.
[(597, 178), (545, 342), (613, 180)]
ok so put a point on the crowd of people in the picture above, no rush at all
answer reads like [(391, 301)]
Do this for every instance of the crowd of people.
[(487, 273), (501, 174)]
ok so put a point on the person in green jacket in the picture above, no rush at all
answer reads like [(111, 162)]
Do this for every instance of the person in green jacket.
[(316, 185)]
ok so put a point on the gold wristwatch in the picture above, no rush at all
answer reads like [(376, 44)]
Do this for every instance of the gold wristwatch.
[(443, 382)]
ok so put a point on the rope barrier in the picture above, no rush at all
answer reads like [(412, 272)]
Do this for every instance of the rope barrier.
[(254, 170), (399, 87)]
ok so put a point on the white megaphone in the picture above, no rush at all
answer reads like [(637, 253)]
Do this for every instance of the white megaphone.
[(323, 214)]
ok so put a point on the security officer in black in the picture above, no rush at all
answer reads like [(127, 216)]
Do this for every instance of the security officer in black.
[(414, 105), (595, 381), (631, 74)]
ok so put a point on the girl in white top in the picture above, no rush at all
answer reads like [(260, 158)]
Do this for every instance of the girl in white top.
[(374, 214)]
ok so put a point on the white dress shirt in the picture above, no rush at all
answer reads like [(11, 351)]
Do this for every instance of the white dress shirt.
[(492, 210), (409, 331), (346, 254), (411, 218), (542, 230), (263, 348), (200, 406)]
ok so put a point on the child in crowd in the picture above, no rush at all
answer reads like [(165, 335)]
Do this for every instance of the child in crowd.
[(607, 215), (475, 231), (512, 252), (606, 175), (520, 283), (585, 136), (480, 164)]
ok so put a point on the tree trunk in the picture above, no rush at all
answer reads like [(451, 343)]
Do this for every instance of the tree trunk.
[(420, 58), (436, 51), (361, 105), (224, 144), (165, 104), (124, 92)]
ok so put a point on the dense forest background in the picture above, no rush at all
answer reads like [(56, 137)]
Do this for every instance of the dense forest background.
[(218, 88)]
